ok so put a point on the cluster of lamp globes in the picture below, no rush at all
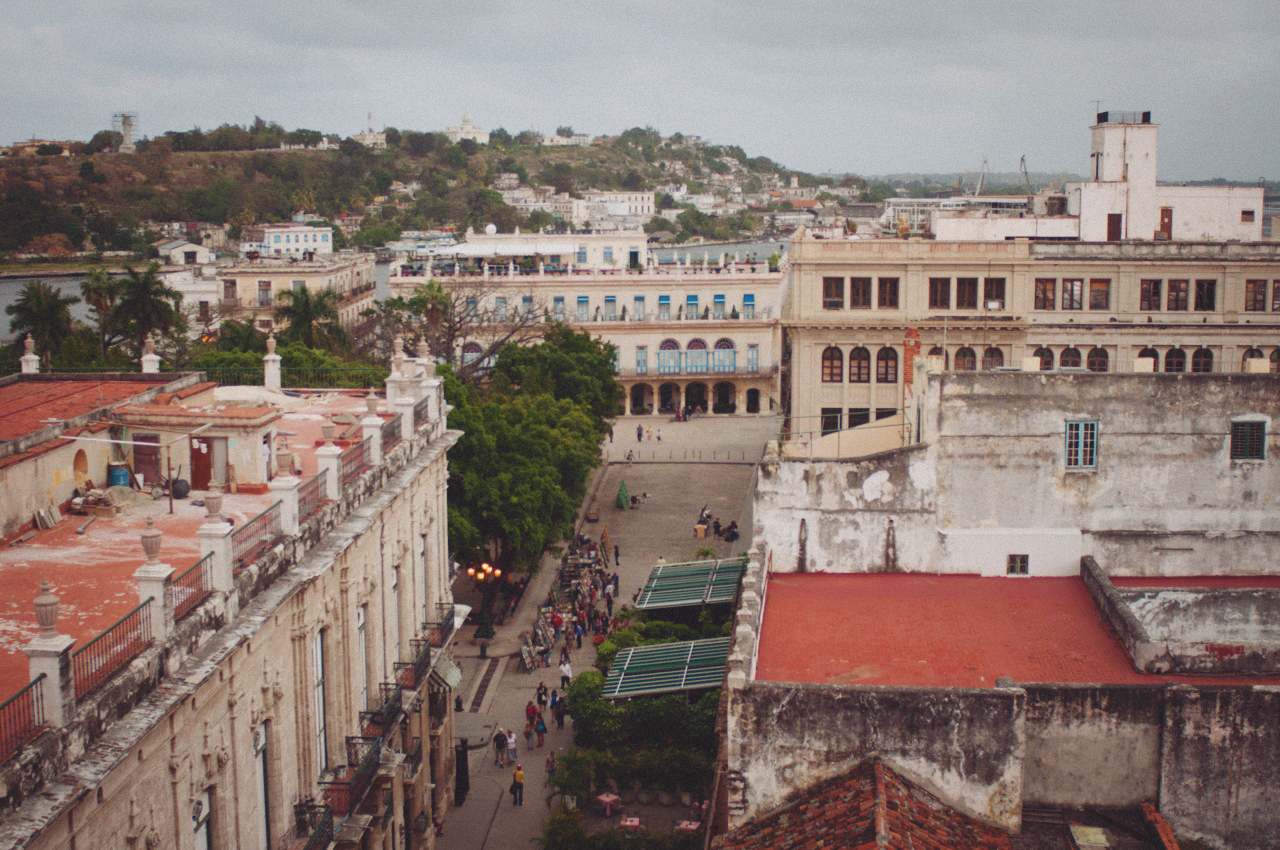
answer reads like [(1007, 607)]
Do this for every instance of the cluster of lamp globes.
[(484, 572)]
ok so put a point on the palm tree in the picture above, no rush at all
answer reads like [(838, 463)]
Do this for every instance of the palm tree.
[(44, 313), (101, 292), (311, 318), (149, 305)]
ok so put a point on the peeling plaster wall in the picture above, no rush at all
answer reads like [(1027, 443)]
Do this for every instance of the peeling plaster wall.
[(1090, 745), (965, 746), (846, 507), (1221, 763)]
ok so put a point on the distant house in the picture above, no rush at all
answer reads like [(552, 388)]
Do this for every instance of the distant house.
[(180, 252), (467, 130)]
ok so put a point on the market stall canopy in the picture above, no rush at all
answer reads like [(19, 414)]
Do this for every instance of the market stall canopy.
[(692, 583), (667, 668)]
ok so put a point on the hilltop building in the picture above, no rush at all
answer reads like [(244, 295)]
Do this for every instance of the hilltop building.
[(285, 680), (467, 130)]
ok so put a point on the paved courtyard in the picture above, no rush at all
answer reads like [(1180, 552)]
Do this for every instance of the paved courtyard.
[(707, 462)]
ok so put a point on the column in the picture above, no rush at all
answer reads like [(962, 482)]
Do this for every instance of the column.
[(49, 654), (371, 428), (271, 365), (155, 582), (30, 360), (215, 540), (285, 488), (328, 459)]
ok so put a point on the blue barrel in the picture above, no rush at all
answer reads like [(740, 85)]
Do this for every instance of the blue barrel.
[(118, 474)]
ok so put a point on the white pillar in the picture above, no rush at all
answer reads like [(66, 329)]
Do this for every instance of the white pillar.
[(271, 365), (30, 360), (155, 582), (215, 540), (371, 428), (328, 459), (285, 488), (404, 406), (49, 654)]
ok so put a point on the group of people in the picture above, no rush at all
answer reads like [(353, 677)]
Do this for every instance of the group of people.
[(506, 744), (728, 532), (650, 433)]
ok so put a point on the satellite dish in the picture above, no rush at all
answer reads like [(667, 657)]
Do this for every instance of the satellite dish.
[(491, 228)]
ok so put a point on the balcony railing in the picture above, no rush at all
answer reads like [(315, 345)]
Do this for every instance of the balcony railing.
[(21, 717), (315, 823), (312, 495), (437, 631), (93, 663), (391, 432), (192, 586), (353, 461), (250, 540), (346, 794), (388, 710), (411, 673)]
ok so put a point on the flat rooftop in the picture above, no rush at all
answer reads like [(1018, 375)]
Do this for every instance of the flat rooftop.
[(944, 631), (92, 573), (28, 406)]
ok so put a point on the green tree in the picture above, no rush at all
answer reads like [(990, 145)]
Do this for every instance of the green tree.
[(43, 312), (102, 293), (568, 365), (312, 318), (148, 305)]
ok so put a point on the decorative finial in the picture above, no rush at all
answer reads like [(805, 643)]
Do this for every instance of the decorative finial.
[(397, 344), (29, 345), (423, 351), (213, 504), (371, 404), (328, 428), (151, 538), (149, 347), (47, 610), (271, 343)]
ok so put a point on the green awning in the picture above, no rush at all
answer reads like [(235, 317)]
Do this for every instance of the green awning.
[(667, 668), (692, 583), (445, 675)]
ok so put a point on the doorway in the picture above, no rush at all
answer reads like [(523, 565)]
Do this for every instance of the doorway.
[(208, 462), (695, 396), (1115, 227), (753, 401), (1166, 224), (668, 398), (146, 459)]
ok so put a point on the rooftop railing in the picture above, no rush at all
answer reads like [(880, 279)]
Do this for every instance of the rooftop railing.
[(391, 432), (93, 663), (354, 461), (192, 586), (251, 539), (311, 495), (21, 717)]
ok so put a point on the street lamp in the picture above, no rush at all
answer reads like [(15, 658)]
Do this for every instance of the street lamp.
[(485, 576)]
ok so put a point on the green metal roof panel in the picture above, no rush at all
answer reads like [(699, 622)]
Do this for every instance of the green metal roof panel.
[(692, 583), (667, 668)]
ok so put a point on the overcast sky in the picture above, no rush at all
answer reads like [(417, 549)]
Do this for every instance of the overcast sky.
[(862, 87)]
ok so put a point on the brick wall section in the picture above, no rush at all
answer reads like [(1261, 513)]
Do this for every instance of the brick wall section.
[(867, 808)]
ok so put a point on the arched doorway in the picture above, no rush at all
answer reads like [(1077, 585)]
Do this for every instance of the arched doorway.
[(669, 398), (1046, 359), (695, 396), (641, 399), (80, 471), (724, 397), (753, 401)]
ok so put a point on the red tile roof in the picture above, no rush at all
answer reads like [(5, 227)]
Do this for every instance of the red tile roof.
[(868, 807), (943, 630), (28, 406)]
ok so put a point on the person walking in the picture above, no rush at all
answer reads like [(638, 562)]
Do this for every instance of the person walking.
[(511, 747), (566, 669), (540, 729), (658, 434), (559, 714), (542, 696), (499, 747), (639, 433), (528, 735), (517, 786), (552, 766), (617, 556)]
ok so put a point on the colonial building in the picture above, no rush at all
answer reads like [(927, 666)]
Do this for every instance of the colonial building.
[(291, 239), (686, 336), (1057, 598), (250, 289), (285, 679), (467, 130)]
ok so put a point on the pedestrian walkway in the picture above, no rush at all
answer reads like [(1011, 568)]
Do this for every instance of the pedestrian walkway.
[(709, 462)]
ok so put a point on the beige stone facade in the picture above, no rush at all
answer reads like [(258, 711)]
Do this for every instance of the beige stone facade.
[(861, 310), (250, 290)]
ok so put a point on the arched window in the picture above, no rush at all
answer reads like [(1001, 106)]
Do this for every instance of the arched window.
[(937, 351), (1202, 361), (1251, 354), (1070, 358), (1152, 354), (1175, 360), (696, 345), (859, 366), (1098, 360), (669, 345), (966, 360), (471, 352), (1046, 359), (832, 365), (1275, 362), (992, 358), (886, 366), (724, 344)]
